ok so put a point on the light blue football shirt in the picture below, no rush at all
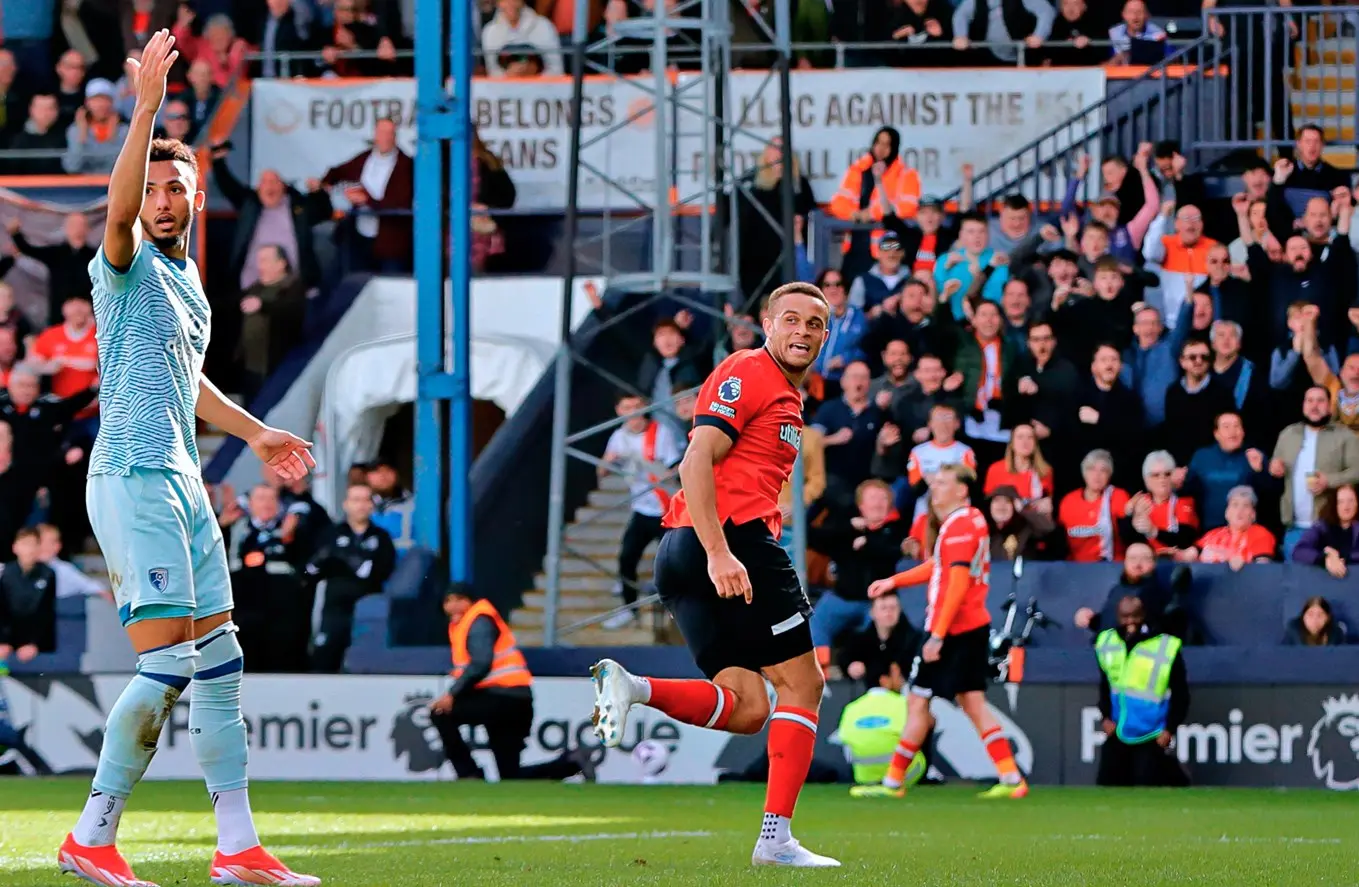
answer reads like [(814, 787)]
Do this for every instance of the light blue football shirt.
[(152, 324)]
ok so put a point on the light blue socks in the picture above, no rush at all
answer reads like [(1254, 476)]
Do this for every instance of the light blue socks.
[(130, 737), (216, 728)]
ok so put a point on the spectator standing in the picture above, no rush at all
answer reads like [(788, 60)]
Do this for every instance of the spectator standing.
[(28, 602), (71, 582), (1193, 402), (908, 421), (1001, 23), (16, 492), (847, 325), (272, 314), (514, 24), (760, 200), (1149, 362), (281, 32), (11, 102), (271, 604), (849, 425), (66, 262), (1289, 377), (1108, 416), (1015, 233), (70, 86), (356, 562), (1315, 626), (864, 549), (983, 359), (1308, 171), (38, 422), (201, 97), (1038, 391), (1082, 324), (877, 185), (1214, 472), (1162, 601), (1240, 541), (971, 266), (1181, 257), (1248, 384), (1332, 541), (9, 354), (1312, 458), (175, 122), (896, 375), (1076, 26), (494, 189), (380, 186), (942, 448), (884, 278), (1090, 515), (219, 46), (1143, 703), (929, 238), (1137, 40), (1024, 470), (907, 317), (28, 28), (355, 30), (1343, 388), (1229, 288), (40, 132), (1016, 308), (919, 24), (272, 214), (646, 453), (1158, 517), (96, 136)]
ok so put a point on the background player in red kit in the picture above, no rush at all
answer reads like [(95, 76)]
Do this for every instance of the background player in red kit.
[(729, 586), (953, 661)]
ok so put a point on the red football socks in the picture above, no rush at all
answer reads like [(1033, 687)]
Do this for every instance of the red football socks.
[(998, 747), (792, 738), (901, 762), (700, 703)]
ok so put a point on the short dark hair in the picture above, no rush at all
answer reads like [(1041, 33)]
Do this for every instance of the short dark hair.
[(27, 533), (1166, 149), (1217, 420), (1109, 264), (1309, 127), (1017, 201), (666, 323), (629, 395), (173, 150), (1096, 226), (1037, 323), (973, 216), (797, 288), (1101, 346)]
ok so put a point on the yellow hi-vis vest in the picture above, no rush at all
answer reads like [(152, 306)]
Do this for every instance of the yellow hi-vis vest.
[(1139, 682), (870, 728)]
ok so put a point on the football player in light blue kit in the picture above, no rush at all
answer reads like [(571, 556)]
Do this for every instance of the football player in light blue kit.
[(150, 510)]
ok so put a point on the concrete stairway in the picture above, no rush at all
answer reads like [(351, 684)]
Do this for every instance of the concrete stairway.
[(1324, 89), (589, 572)]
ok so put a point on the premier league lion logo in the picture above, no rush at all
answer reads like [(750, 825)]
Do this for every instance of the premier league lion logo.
[(415, 738), (1334, 744)]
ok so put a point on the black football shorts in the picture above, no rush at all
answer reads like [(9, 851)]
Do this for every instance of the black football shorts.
[(963, 666)]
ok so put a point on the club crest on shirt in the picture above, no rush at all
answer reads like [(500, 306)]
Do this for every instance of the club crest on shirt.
[(791, 435), (730, 390), (159, 577)]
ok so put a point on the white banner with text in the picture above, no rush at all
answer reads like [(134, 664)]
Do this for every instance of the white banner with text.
[(946, 118)]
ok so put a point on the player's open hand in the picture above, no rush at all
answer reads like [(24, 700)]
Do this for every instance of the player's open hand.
[(881, 587), (152, 69), (729, 576), (286, 453)]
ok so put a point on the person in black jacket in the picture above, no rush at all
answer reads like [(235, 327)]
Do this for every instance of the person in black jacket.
[(1106, 415), (356, 561), (38, 425), (1315, 626), (1193, 403), (864, 549), (28, 602), (760, 200), (1075, 26), (67, 262), (271, 602), (271, 195), (1162, 597), (919, 24), (881, 654)]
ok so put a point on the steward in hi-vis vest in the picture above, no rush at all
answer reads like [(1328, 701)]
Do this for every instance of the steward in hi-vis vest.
[(1144, 698)]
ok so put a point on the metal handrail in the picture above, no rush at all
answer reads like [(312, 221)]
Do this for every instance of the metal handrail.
[(1178, 59)]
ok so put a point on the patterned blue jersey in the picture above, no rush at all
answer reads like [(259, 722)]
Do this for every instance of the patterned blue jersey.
[(152, 325)]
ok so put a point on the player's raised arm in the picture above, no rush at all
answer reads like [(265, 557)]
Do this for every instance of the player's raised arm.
[(707, 446), (286, 453), (127, 184)]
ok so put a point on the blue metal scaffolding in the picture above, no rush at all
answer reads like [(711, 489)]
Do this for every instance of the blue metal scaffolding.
[(443, 412)]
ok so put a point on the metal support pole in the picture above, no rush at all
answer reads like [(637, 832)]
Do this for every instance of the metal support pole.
[(561, 398), (783, 28), (460, 523), (430, 51)]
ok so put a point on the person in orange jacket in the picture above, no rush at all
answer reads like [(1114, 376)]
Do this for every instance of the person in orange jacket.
[(876, 186)]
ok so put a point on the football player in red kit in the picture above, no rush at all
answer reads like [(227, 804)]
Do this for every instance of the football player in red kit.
[(731, 589), (954, 660)]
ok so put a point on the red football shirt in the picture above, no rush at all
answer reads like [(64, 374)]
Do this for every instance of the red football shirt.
[(1092, 527), (79, 355), (750, 399), (963, 541)]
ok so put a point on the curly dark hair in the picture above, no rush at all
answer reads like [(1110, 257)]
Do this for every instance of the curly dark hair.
[(173, 149)]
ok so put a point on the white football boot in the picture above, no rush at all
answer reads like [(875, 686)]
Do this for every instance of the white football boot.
[(615, 693), (790, 853)]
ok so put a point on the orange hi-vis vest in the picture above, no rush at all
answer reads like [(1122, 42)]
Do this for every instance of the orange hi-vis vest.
[(508, 668)]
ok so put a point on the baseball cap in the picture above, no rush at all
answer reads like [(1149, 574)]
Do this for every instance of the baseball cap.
[(889, 242), (100, 86), (932, 203)]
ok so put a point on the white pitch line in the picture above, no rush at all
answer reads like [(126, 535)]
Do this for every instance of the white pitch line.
[(520, 839)]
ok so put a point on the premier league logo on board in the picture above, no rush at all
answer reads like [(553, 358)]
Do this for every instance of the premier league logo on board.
[(1334, 743), (159, 578), (730, 390)]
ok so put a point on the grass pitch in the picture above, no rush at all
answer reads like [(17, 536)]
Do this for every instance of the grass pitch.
[(546, 835)]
